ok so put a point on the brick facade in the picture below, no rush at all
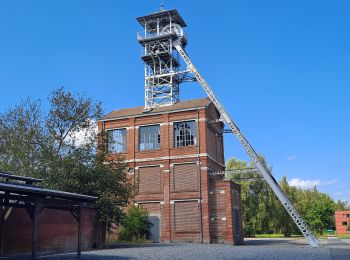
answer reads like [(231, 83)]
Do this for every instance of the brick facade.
[(342, 222), (174, 182)]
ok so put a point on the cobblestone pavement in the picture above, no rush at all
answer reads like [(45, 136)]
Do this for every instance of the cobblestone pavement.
[(253, 249), (258, 248)]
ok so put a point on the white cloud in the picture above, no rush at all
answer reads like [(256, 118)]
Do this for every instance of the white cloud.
[(304, 184), (292, 157), (309, 184), (83, 136), (329, 182), (338, 193)]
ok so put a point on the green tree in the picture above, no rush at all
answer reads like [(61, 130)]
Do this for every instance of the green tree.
[(23, 139), (249, 197), (61, 147), (258, 201), (284, 223), (341, 205), (263, 212), (317, 208)]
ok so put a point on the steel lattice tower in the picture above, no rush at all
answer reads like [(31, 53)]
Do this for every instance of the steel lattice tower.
[(163, 73)]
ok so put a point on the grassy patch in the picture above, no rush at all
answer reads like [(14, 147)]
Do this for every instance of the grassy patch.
[(119, 241), (274, 236), (345, 236)]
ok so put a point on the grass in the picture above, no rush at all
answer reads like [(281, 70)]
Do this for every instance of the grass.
[(323, 236), (120, 241), (274, 236), (345, 236)]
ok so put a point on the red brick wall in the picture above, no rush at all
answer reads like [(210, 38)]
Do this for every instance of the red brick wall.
[(185, 221), (217, 211), (149, 180), (57, 231), (151, 207), (342, 216), (184, 177), (225, 211)]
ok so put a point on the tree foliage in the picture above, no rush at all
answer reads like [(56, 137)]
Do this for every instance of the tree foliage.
[(60, 146), (342, 205), (317, 208), (23, 138), (263, 213)]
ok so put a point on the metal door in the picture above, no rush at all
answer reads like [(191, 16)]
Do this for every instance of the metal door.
[(154, 228)]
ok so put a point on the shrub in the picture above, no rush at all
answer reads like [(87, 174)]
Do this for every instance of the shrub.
[(134, 225)]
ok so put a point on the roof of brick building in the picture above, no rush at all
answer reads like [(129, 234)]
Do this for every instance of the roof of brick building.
[(140, 111)]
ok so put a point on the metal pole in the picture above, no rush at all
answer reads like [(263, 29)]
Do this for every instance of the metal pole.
[(35, 229), (200, 178), (79, 231)]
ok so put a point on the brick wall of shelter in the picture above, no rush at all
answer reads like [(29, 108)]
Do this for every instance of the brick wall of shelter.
[(57, 231)]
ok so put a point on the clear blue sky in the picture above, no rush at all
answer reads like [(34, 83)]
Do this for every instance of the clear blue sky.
[(281, 68)]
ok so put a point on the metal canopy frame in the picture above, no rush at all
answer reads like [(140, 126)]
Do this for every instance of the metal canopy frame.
[(34, 199)]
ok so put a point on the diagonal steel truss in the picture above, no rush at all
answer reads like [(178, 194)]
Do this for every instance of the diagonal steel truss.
[(260, 166)]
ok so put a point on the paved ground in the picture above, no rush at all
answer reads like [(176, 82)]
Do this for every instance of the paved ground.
[(270, 249), (339, 248)]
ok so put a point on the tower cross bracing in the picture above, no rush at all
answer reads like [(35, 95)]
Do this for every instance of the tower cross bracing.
[(163, 73)]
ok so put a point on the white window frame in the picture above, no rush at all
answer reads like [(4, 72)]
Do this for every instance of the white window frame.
[(149, 140), (187, 136), (118, 142)]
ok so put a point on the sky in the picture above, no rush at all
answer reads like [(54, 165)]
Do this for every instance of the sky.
[(280, 68)]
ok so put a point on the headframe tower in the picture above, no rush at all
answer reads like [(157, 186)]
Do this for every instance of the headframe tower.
[(163, 73), (164, 43)]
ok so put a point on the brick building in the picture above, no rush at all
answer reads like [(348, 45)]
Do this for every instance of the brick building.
[(172, 151), (342, 222)]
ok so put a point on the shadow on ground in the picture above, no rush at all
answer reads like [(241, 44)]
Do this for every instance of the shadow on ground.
[(130, 245), (268, 242)]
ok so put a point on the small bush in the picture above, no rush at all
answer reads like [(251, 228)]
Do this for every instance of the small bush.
[(134, 225)]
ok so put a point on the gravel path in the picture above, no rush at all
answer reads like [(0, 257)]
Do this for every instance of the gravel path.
[(253, 249)]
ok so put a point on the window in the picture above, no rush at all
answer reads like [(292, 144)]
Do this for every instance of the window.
[(184, 133), (149, 137), (344, 223), (348, 215), (116, 141)]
